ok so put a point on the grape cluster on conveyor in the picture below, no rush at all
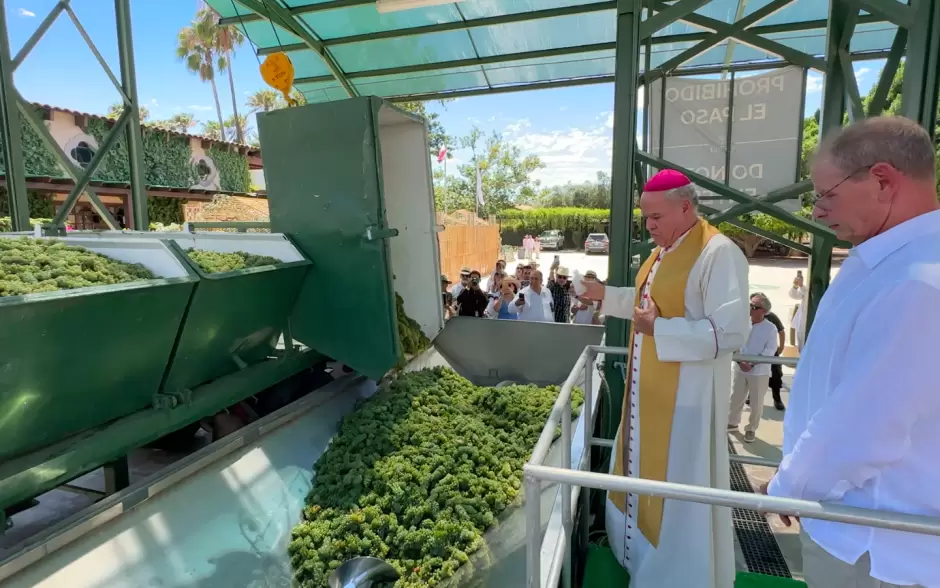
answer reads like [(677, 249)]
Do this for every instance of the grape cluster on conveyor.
[(213, 262), (28, 266), (417, 474), (413, 339)]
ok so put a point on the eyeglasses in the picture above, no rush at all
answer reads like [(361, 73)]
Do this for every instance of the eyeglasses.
[(820, 195), (756, 307)]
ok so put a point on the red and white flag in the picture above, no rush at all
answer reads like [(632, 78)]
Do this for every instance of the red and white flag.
[(442, 154)]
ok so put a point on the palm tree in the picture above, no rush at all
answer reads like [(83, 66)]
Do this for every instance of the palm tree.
[(197, 47), (265, 101), (178, 123), (227, 39), (115, 110), (212, 130)]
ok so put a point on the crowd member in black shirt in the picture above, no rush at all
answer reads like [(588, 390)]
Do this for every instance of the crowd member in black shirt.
[(776, 370), (472, 301), (560, 288)]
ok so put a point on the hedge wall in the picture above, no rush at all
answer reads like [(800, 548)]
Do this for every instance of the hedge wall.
[(233, 169), (40, 205), (39, 161)]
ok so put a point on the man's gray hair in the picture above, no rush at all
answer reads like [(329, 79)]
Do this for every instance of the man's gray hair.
[(764, 301), (897, 141), (684, 193)]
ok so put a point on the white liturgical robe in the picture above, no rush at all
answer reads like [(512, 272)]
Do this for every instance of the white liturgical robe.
[(695, 546)]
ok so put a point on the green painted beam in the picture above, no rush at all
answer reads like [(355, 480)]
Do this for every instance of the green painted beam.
[(668, 14), (283, 18), (39, 32), (11, 144), (750, 228), (729, 50), (921, 85), (716, 38), (879, 100), (736, 195), (471, 62), (620, 271), (739, 31), (132, 133), (796, 27), (503, 89), (81, 184), (299, 10), (33, 474), (74, 172), (488, 21), (889, 10)]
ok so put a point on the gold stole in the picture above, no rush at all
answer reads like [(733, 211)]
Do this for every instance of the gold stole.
[(659, 381)]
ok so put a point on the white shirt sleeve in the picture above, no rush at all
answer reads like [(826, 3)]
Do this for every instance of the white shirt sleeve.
[(726, 325), (770, 346), (619, 301), (886, 388)]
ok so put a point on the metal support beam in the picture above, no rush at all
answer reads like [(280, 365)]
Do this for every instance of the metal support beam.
[(889, 10), (921, 87), (280, 16), (739, 32), (39, 32), (77, 174), (842, 20), (117, 476), (11, 144), (620, 271), (716, 38), (879, 100), (668, 14), (133, 135)]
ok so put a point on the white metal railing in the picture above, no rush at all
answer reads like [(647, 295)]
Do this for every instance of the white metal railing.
[(559, 558)]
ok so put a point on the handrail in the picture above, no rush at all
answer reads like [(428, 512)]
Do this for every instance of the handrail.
[(535, 472)]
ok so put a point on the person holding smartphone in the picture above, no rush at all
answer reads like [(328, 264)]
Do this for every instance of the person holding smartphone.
[(472, 301)]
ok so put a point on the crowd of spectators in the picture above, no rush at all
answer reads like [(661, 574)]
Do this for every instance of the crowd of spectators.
[(527, 294)]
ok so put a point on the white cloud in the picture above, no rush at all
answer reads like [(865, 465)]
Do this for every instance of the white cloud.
[(860, 73), (26, 13), (517, 127), (572, 155), (814, 83), (153, 101)]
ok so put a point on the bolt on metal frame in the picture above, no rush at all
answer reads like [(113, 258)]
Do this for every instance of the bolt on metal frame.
[(14, 109), (547, 563)]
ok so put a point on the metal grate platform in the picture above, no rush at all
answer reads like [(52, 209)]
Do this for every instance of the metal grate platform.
[(761, 552)]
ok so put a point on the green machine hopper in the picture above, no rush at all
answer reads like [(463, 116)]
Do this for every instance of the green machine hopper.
[(235, 318), (76, 359), (350, 182)]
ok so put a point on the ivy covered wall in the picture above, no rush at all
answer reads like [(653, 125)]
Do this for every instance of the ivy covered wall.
[(40, 205), (233, 169), (39, 161)]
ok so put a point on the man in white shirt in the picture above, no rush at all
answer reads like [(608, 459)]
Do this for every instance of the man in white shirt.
[(535, 302), (751, 379), (863, 425)]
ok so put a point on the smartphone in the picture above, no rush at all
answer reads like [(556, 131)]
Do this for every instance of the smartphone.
[(557, 258), (522, 296)]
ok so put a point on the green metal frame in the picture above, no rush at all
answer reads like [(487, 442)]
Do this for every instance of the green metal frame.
[(14, 110)]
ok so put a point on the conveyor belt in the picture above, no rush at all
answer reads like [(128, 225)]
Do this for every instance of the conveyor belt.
[(761, 552)]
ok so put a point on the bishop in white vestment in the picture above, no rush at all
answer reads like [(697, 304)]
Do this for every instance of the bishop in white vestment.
[(689, 313)]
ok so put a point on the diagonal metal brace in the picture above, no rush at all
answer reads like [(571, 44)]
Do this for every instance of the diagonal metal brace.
[(280, 16), (738, 196), (752, 39)]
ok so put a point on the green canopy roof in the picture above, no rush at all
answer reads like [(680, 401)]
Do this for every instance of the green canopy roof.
[(339, 47)]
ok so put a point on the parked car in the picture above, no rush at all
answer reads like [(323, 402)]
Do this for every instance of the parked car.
[(597, 243), (552, 240)]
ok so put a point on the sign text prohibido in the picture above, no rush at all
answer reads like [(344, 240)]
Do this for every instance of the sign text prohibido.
[(761, 114)]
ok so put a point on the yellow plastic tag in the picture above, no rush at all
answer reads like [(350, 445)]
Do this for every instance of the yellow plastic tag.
[(278, 72)]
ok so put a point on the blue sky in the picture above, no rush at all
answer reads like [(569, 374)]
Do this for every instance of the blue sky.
[(569, 128)]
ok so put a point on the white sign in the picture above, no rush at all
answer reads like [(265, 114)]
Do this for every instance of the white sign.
[(765, 118)]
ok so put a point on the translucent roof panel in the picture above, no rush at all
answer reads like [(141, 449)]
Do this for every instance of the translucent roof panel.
[(475, 45)]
